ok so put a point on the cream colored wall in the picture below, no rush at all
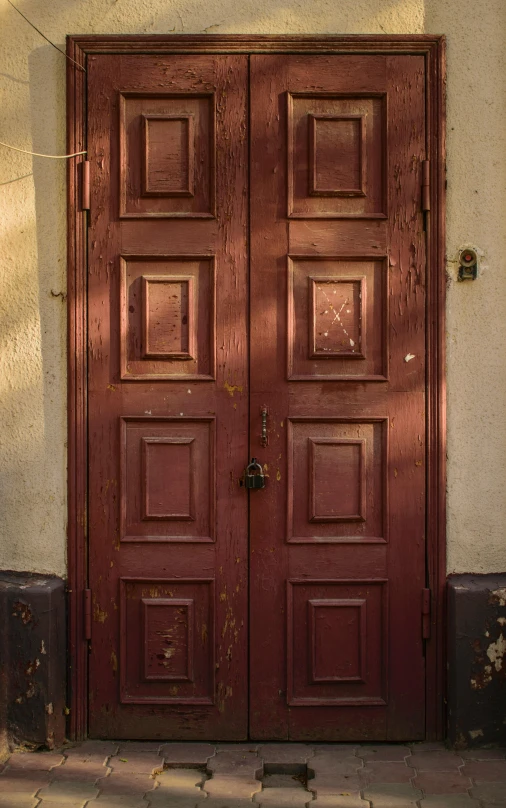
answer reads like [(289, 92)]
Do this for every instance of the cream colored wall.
[(32, 263)]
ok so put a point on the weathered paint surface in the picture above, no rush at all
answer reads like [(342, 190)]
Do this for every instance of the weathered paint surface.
[(32, 677), (477, 659)]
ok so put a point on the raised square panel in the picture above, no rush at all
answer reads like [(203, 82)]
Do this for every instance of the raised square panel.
[(337, 626), (337, 642), (167, 313), (167, 479), (167, 155), (337, 318), (166, 641), (168, 325), (337, 480), (337, 156), (342, 136)]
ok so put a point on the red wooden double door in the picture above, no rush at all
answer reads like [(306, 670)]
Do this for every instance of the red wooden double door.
[(256, 243)]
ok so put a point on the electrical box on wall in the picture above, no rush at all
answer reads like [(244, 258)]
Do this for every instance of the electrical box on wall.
[(468, 265)]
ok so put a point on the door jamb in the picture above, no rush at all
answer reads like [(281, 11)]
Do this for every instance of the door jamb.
[(433, 50)]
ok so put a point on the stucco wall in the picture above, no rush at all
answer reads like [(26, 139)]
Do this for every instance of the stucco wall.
[(32, 263)]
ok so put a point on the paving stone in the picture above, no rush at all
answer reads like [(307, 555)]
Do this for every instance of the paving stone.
[(334, 784), (290, 797), (490, 793), (126, 783), (97, 751), (112, 801), (74, 804), (236, 764), (427, 746), (285, 755), (87, 770), (380, 772), (134, 747), (21, 801), (392, 795), (19, 782), (240, 788), (442, 782), (67, 791), (34, 761), (137, 763), (335, 751), (440, 761), (179, 755), (346, 800), (237, 747), (328, 766), (486, 771), (220, 802), (163, 801), (498, 753), (449, 801), (385, 753)]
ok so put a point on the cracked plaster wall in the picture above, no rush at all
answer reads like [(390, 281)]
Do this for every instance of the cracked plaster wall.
[(32, 256)]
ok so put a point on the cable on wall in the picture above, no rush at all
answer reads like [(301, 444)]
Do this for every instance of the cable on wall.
[(45, 37)]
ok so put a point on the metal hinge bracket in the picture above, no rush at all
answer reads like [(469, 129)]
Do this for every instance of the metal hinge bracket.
[(426, 599), (85, 185), (425, 185), (87, 614)]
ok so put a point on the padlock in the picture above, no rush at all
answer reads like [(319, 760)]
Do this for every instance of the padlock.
[(254, 475)]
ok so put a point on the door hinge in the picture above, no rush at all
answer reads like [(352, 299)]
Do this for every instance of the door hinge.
[(426, 598), (87, 614), (425, 185), (85, 185)]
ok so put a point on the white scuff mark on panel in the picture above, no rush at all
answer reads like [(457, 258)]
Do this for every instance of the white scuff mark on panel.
[(409, 357), (496, 652)]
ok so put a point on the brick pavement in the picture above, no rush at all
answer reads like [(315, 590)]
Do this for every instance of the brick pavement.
[(104, 774)]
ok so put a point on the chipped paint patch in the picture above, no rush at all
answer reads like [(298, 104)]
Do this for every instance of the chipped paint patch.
[(498, 596), (484, 679), (232, 388), (496, 652), (476, 733), (409, 357)]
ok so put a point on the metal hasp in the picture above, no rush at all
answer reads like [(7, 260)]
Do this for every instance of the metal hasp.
[(254, 475)]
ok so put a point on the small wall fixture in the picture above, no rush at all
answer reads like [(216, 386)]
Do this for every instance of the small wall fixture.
[(468, 265)]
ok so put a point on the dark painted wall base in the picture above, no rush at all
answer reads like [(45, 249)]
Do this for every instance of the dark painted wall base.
[(33, 660), (477, 659)]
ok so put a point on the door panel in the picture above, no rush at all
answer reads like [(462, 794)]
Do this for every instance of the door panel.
[(337, 358), (168, 396)]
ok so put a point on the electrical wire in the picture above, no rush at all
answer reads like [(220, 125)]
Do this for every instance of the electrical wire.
[(37, 154), (45, 37)]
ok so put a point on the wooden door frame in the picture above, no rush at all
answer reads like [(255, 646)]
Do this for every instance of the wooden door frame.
[(78, 49)]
